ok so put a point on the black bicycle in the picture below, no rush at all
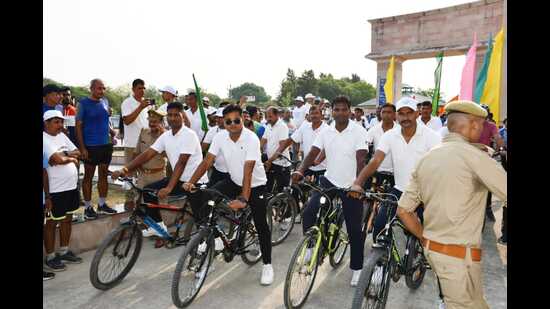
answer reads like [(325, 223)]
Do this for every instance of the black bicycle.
[(196, 258), (384, 261), (118, 252)]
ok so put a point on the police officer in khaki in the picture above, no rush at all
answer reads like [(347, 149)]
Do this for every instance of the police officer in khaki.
[(454, 202)]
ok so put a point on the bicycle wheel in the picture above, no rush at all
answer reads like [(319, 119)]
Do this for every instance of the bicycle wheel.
[(301, 273), (115, 256), (192, 268), (374, 282), (415, 266), (340, 244), (251, 245), (281, 213)]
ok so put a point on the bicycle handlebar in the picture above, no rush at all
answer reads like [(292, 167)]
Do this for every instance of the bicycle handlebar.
[(377, 196), (293, 163)]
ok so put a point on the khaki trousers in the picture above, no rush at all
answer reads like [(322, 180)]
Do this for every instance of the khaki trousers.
[(461, 281), (128, 156)]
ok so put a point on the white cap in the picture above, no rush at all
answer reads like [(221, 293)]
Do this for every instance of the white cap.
[(219, 112), (169, 89), (206, 99), (406, 102), (299, 98), (310, 96), (53, 114), (211, 111)]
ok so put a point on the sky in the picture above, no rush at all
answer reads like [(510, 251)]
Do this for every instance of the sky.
[(224, 43)]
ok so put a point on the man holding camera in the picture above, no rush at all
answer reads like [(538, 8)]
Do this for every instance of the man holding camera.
[(134, 115)]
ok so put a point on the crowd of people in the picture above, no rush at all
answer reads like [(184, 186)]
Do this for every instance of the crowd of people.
[(443, 164)]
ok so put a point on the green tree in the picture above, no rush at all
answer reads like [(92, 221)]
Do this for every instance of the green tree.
[(329, 88), (249, 89), (359, 92), (307, 83), (288, 89), (429, 93)]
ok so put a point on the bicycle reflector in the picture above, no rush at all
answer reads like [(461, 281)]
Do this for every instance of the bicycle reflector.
[(323, 200), (211, 203)]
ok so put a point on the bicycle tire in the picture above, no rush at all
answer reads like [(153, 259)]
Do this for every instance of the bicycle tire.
[(134, 233), (275, 211), (250, 237), (378, 257), (342, 239), (189, 251), (289, 276), (413, 249)]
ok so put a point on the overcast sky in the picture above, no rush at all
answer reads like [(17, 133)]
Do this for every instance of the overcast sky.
[(225, 43)]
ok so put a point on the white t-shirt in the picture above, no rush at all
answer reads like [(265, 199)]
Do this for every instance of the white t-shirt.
[(299, 114), (405, 156), (373, 136), (374, 121), (195, 120), (246, 148), (131, 132), (64, 177), (305, 135), (434, 123), (362, 123), (275, 134), (184, 142), (341, 149), (443, 132), (219, 163)]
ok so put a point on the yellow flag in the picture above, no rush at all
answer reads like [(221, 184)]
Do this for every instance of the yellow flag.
[(388, 86), (491, 92)]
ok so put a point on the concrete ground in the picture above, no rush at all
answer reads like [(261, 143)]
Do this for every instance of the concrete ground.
[(236, 285)]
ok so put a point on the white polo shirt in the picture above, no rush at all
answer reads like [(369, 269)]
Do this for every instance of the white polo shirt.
[(374, 121), (299, 114), (275, 134), (373, 136), (184, 142), (434, 123), (405, 156), (219, 163), (341, 149), (63, 177), (131, 132), (246, 148), (195, 120), (305, 135)]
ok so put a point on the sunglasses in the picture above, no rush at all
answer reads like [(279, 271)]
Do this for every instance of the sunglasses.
[(228, 122)]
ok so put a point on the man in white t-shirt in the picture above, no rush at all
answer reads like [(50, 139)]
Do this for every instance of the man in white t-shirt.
[(194, 115), (219, 170), (359, 118), (169, 94), (184, 153), (241, 149), (300, 111), (277, 169), (406, 144), (61, 193), (345, 147), (426, 117), (376, 120)]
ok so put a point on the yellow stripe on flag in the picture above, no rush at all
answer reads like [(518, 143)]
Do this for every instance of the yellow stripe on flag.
[(491, 92), (388, 87)]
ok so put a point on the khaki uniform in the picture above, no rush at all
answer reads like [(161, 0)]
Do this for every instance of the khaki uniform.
[(155, 169), (452, 181), (128, 157)]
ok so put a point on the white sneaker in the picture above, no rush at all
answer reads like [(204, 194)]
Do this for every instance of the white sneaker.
[(267, 274), (441, 304), (218, 244), (355, 277), (149, 232)]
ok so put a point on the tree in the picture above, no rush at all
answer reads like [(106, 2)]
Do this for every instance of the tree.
[(307, 83), (429, 93), (359, 92), (288, 89), (355, 78), (249, 89)]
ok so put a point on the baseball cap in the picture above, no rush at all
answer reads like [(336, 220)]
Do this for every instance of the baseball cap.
[(406, 102), (219, 112), (49, 88), (309, 95), (169, 89), (206, 99), (299, 98), (211, 111), (53, 114)]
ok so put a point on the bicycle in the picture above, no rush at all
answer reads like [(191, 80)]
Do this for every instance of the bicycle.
[(326, 237), (119, 251), (372, 206), (196, 258), (384, 262)]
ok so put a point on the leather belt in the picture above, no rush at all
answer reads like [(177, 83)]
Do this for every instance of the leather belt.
[(452, 250), (152, 170)]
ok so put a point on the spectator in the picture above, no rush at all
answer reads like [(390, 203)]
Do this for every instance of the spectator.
[(95, 139), (194, 115), (61, 195), (51, 98), (359, 118), (300, 111), (254, 113), (310, 100), (426, 118), (376, 120), (247, 121), (287, 119), (212, 119), (169, 95)]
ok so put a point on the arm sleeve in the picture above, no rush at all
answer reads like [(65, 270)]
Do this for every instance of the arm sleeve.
[(209, 136), (283, 134), (253, 150), (190, 144), (319, 142), (125, 108), (158, 145), (68, 142), (214, 146), (411, 198), (384, 144), (81, 112), (298, 135), (361, 140)]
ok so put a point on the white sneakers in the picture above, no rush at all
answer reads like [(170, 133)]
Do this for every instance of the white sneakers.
[(267, 275), (218, 244), (150, 231), (355, 277)]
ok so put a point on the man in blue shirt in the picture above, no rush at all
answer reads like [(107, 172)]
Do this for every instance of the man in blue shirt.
[(95, 141), (52, 98)]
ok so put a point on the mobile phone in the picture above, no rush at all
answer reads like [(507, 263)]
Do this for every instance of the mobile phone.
[(151, 101)]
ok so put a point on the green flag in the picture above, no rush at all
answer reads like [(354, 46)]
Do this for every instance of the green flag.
[(482, 75), (204, 122), (437, 75)]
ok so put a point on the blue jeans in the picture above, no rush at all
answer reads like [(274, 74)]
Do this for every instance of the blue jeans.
[(353, 212)]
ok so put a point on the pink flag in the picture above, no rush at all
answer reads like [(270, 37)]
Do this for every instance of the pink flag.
[(468, 73)]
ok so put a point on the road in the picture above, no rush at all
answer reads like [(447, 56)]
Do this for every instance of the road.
[(236, 285)]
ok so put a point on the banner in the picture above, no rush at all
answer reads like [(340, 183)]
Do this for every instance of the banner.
[(204, 122), (388, 86)]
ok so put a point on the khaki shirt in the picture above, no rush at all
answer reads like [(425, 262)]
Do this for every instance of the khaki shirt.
[(145, 140), (452, 181)]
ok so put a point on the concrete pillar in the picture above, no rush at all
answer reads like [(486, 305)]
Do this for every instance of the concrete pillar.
[(382, 66)]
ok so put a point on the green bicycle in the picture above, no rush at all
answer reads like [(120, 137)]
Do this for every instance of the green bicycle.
[(325, 238)]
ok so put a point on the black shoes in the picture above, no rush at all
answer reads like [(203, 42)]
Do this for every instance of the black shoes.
[(70, 258), (105, 210), (90, 214), (48, 275), (55, 264)]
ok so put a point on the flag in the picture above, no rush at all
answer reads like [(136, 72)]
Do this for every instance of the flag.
[(455, 98), (204, 122), (388, 86), (468, 73), (437, 75), (491, 91), (482, 75)]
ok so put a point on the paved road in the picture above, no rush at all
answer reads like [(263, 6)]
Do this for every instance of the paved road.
[(236, 285)]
